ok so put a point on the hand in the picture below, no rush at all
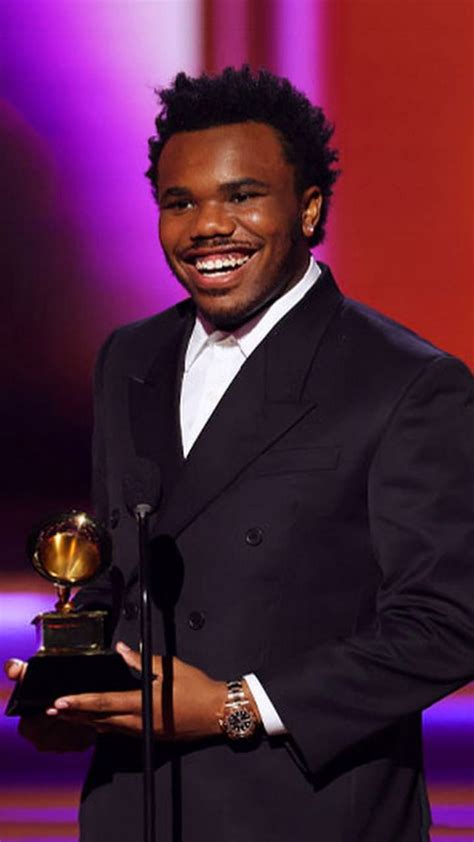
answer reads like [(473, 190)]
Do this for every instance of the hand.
[(42, 731), (187, 703)]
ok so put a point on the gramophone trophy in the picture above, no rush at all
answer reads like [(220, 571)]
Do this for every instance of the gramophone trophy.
[(69, 550)]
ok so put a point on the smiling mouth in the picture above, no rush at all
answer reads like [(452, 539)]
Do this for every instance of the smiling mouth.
[(220, 264), (214, 267)]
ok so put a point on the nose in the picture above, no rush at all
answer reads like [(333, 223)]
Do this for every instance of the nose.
[(212, 219)]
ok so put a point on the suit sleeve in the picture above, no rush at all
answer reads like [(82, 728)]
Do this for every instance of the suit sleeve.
[(421, 519)]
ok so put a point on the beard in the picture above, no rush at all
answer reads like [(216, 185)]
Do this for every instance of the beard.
[(232, 317)]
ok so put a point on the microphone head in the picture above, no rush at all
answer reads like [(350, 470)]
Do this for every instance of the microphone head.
[(142, 486)]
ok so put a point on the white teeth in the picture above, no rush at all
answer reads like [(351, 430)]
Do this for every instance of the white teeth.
[(220, 263), (216, 274)]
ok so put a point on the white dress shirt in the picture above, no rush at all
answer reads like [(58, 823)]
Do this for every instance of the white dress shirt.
[(213, 358)]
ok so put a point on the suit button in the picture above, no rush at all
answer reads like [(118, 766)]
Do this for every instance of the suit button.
[(196, 620), (130, 610), (114, 518), (254, 536)]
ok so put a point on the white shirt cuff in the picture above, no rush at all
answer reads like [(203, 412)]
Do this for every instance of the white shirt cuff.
[(270, 719)]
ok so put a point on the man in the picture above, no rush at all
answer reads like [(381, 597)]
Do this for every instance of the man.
[(314, 538)]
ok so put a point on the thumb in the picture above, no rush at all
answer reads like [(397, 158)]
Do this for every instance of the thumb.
[(131, 658), (15, 669), (134, 659)]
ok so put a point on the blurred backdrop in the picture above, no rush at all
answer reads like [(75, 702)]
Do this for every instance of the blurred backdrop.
[(80, 244), (80, 253)]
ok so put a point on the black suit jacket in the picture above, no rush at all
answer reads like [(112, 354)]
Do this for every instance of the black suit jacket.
[(320, 535)]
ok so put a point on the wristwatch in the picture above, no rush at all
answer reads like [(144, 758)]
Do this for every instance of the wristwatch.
[(238, 721)]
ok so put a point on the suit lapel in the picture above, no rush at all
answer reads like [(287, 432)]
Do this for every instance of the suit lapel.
[(154, 402), (268, 396)]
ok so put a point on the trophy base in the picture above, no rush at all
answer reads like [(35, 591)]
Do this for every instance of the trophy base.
[(50, 676)]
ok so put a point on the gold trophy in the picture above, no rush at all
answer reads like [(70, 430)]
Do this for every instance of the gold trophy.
[(69, 550)]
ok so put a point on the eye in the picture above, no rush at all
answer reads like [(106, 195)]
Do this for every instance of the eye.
[(177, 204), (243, 196)]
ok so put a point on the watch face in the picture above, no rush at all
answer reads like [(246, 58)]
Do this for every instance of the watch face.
[(240, 723)]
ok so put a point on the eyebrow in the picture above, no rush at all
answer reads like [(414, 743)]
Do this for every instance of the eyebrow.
[(226, 188), (174, 191), (229, 186)]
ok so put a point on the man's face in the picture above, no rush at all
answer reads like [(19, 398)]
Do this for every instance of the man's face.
[(231, 223)]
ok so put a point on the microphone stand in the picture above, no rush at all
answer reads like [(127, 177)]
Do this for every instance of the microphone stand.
[(142, 512)]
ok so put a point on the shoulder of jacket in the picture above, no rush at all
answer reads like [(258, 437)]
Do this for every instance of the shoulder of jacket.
[(132, 337), (383, 357), (373, 331)]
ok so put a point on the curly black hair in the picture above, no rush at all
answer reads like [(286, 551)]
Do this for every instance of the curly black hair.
[(238, 96)]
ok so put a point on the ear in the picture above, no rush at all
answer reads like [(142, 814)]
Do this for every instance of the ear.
[(311, 204)]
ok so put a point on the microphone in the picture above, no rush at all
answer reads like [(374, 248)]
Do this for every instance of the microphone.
[(141, 493), (142, 488)]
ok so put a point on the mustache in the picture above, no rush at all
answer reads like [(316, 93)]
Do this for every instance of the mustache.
[(221, 242)]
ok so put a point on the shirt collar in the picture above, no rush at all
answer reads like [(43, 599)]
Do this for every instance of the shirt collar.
[(249, 335)]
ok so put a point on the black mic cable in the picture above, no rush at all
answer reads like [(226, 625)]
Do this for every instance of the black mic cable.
[(141, 491)]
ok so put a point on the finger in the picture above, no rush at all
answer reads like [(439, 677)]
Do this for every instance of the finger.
[(134, 659), (131, 658), (15, 669), (126, 724), (101, 723), (104, 703)]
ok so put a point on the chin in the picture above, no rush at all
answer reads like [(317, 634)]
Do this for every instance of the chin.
[(224, 320), (226, 323), (228, 309), (232, 317)]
